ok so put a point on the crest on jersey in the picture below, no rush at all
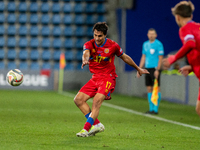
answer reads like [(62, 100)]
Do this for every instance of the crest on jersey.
[(93, 50), (106, 50), (152, 51)]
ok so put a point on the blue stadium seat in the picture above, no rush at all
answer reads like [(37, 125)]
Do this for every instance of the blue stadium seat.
[(34, 31), (91, 19), (33, 7), (23, 65), (2, 18), (45, 19), (34, 19), (57, 31), (2, 65), (90, 8), (56, 8), (34, 43), (23, 30), (34, 55), (11, 7), (46, 43), (35, 66), (23, 42), (23, 55), (46, 55), (79, 19), (2, 30), (56, 66), (101, 8), (22, 18), (2, 6), (89, 31), (11, 30), (68, 31), (101, 18), (70, 66), (57, 43), (69, 55), (11, 42), (11, 65), (11, 18), (45, 8), (2, 41), (80, 42), (67, 8), (22, 7), (79, 55), (69, 43), (45, 31), (2, 54), (68, 19), (56, 55), (11, 54), (79, 8), (80, 31), (46, 65), (56, 19)]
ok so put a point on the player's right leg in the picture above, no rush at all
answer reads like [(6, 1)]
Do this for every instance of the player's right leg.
[(198, 104)]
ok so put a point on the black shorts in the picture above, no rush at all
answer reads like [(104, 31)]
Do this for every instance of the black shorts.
[(149, 78)]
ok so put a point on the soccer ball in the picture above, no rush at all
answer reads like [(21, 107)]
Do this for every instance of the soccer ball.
[(15, 77)]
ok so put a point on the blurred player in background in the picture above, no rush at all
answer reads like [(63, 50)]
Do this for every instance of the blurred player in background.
[(99, 53), (189, 33), (152, 55)]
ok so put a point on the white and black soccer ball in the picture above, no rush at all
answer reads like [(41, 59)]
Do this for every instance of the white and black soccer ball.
[(15, 77)]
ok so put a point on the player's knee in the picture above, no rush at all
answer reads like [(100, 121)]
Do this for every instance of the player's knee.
[(77, 100)]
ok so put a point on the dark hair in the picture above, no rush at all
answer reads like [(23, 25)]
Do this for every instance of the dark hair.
[(152, 29), (101, 26), (183, 8)]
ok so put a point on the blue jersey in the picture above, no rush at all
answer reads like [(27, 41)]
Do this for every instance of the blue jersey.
[(152, 52)]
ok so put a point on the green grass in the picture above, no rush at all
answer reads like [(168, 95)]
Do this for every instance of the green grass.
[(33, 120)]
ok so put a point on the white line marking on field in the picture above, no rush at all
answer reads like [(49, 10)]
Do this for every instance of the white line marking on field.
[(137, 113)]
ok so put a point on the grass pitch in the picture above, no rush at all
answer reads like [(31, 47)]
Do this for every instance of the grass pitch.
[(33, 120)]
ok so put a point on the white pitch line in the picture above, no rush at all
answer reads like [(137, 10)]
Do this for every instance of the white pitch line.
[(137, 113)]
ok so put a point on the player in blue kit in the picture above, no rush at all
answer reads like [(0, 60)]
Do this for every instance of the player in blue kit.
[(152, 55)]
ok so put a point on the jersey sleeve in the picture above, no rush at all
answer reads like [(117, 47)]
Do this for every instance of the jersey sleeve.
[(186, 35), (143, 49), (160, 49), (87, 46), (119, 51)]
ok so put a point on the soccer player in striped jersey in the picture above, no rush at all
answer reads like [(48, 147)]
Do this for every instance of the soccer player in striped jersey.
[(99, 53), (189, 33)]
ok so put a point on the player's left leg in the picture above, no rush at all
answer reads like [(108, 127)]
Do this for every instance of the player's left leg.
[(198, 104)]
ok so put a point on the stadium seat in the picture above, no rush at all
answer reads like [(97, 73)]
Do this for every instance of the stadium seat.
[(2, 6), (56, 8), (80, 31), (45, 8), (57, 31), (80, 42), (79, 19), (11, 18), (56, 19), (11, 54), (22, 7), (33, 8), (23, 42), (23, 30), (34, 31), (46, 43), (23, 66), (34, 55), (101, 8), (45, 31), (2, 54), (11, 30), (2, 18), (69, 55), (35, 66), (22, 18), (45, 19), (56, 66), (70, 66), (68, 19), (91, 19), (79, 8), (56, 55), (2, 30), (11, 65), (57, 43), (2, 42), (11, 7), (46, 55), (90, 8), (68, 31), (79, 55), (23, 55), (69, 43), (89, 31), (11, 42), (34, 43), (34, 19), (67, 8), (46, 65), (2, 65), (101, 18)]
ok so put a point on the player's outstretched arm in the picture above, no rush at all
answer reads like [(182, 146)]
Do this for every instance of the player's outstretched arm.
[(185, 70), (85, 58)]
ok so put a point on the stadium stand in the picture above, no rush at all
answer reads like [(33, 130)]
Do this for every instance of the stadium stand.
[(2, 54), (23, 55), (11, 65), (34, 55), (23, 65), (12, 54)]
